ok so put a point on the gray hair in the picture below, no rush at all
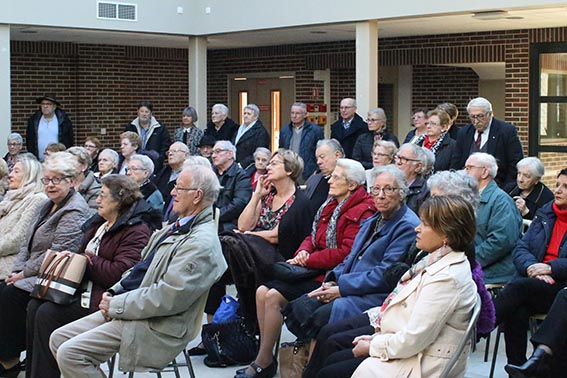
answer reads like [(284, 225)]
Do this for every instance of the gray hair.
[(17, 137), (380, 113), (353, 171), (82, 155), (488, 161), (300, 105), (182, 146), (227, 145), (390, 147), (419, 154), (351, 100), (396, 173), (333, 144), (481, 102), (262, 150), (205, 179), (146, 162), (33, 171), (62, 163), (429, 160), (254, 109), (534, 165), (221, 107), (112, 154), (457, 183), (191, 112), (197, 160)]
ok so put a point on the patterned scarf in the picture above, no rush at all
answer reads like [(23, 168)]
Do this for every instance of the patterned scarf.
[(331, 235), (419, 141), (415, 270)]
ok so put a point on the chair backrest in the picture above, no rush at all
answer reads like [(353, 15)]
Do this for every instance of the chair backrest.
[(469, 335)]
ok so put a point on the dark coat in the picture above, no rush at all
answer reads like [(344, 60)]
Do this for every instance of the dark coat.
[(531, 249), (295, 225), (358, 207), (539, 196), (310, 135), (158, 140), (235, 193), (417, 194), (226, 132), (503, 143), (362, 150), (409, 135), (317, 189), (348, 137), (120, 246), (65, 130), (161, 180), (256, 137), (444, 155)]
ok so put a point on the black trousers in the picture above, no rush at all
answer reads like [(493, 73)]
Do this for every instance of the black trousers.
[(13, 304), (520, 299), (340, 364), (336, 337), (43, 318), (553, 331)]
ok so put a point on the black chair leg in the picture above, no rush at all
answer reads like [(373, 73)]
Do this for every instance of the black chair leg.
[(495, 352)]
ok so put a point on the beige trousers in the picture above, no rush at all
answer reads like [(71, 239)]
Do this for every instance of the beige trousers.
[(82, 346)]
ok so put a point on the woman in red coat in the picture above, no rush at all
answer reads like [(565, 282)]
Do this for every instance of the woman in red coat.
[(113, 242), (336, 224)]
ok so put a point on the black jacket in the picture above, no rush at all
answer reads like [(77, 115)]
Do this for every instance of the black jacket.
[(159, 141), (235, 193), (539, 196), (226, 132), (161, 180), (503, 143), (362, 150), (256, 137), (444, 155), (310, 135), (348, 137), (65, 130), (417, 194)]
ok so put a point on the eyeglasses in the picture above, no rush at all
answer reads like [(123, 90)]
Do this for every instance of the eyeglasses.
[(218, 151), (134, 169), (469, 167), (180, 189), (275, 162), (387, 190), (405, 160), (478, 117), (372, 120), (54, 180), (14, 144), (174, 151), (429, 123), (378, 154)]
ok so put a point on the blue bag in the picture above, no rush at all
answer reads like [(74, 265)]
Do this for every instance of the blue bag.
[(227, 310)]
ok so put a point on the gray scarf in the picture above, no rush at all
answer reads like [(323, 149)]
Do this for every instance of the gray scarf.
[(331, 235)]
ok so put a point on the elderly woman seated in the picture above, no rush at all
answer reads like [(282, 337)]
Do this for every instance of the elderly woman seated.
[(336, 224), (358, 283), (58, 227), (85, 183), (261, 158), (19, 208), (383, 153), (411, 159), (140, 169), (540, 258), (113, 240), (277, 211), (528, 191), (107, 163)]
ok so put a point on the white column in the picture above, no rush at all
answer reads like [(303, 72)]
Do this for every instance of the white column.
[(366, 66), (5, 88), (198, 78), (405, 88)]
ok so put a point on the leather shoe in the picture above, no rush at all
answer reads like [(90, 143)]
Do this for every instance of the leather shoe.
[(197, 351), (539, 365), (259, 372)]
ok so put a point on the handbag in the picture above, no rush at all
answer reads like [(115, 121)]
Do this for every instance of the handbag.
[(60, 277), (227, 310), (286, 272), (229, 343), (293, 359)]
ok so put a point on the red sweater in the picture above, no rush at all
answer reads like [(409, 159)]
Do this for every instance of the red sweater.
[(559, 229)]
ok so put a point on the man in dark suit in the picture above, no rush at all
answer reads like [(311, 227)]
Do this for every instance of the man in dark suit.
[(349, 127), (490, 135), (249, 136)]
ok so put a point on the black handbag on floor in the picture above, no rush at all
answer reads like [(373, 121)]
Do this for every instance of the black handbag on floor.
[(229, 343)]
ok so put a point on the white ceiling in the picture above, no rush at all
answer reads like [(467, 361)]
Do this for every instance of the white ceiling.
[(454, 23)]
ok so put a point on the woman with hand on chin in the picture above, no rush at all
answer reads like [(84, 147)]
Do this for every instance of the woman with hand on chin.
[(58, 227)]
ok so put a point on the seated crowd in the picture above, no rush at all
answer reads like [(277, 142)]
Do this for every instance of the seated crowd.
[(400, 241)]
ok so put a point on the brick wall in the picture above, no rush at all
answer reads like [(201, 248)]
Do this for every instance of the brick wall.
[(98, 85)]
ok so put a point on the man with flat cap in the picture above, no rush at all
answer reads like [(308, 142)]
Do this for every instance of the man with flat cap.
[(50, 124)]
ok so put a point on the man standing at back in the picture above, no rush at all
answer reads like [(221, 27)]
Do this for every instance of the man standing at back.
[(49, 124), (301, 137), (349, 127), (490, 135)]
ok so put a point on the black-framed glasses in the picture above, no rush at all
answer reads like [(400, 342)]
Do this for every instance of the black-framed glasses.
[(219, 150), (379, 154), (54, 180), (478, 117), (404, 160), (387, 190), (180, 189), (134, 169)]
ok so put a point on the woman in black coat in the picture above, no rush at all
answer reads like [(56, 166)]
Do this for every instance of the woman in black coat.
[(437, 139)]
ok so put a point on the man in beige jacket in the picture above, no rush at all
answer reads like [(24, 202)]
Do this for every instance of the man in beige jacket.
[(155, 310)]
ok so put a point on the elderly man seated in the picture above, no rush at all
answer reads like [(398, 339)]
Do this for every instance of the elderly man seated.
[(155, 310), (412, 160), (498, 221), (165, 179)]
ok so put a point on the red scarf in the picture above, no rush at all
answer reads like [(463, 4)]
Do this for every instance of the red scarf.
[(559, 229), (428, 143)]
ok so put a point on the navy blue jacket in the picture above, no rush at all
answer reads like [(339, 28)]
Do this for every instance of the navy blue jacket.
[(532, 247), (310, 135), (347, 138)]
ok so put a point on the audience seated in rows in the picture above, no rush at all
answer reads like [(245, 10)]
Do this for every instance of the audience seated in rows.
[(15, 143), (85, 183), (383, 153), (165, 179), (93, 146), (107, 162), (140, 169), (377, 131), (262, 157), (317, 186), (411, 159)]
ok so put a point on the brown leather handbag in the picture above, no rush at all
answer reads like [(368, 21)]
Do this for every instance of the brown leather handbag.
[(293, 358)]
